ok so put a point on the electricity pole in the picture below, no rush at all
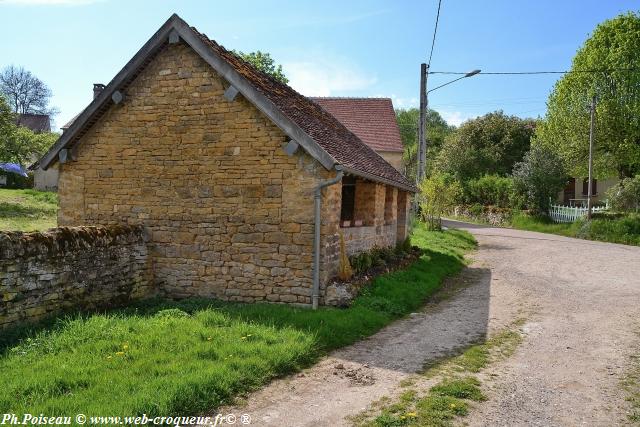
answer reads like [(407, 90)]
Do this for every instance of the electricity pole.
[(422, 136), (591, 137)]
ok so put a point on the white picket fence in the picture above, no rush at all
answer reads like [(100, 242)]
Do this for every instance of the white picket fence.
[(559, 213)]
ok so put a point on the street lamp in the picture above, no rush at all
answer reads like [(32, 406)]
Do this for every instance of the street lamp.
[(469, 74), (424, 102)]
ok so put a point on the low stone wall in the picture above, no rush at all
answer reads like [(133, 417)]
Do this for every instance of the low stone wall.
[(42, 274), (498, 217), (365, 238)]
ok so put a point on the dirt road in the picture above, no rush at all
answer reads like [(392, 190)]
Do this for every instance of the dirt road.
[(581, 300)]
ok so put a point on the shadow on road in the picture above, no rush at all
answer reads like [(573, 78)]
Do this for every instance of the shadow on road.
[(452, 320)]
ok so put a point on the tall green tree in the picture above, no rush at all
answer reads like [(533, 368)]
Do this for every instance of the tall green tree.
[(490, 144), (539, 177), (437, 131), (607, 66), (7, 119), (23, 145), (19, 144), (265, 63)]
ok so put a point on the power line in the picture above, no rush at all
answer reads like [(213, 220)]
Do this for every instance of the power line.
[(435, 30), (614, 70)]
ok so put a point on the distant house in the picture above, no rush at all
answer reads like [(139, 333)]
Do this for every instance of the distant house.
[(373, 120), (576, 191), (242, 183), (38, 123)]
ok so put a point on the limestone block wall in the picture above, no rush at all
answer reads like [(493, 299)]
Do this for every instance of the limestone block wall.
[(229, 214), (42, 274)]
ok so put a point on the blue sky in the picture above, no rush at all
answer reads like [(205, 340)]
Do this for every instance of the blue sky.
[(327, 48)]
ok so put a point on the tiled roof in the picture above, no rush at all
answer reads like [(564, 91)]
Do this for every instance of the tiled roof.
[(317, 131), (332, 135), (35, 122), (373, 120)]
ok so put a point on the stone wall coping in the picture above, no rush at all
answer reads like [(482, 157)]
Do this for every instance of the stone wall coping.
[(62, 240)]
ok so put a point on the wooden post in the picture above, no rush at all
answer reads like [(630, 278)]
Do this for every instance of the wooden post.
[(591, 137), (422, 144)]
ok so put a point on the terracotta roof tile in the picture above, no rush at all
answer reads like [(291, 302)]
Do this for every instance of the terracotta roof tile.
[(332, 135), (36, 122), (373, 120)]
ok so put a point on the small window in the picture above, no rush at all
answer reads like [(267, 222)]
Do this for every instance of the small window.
[(348, 199), (585, 187)]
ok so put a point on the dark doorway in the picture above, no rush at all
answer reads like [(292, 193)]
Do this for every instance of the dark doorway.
[(569, 191)]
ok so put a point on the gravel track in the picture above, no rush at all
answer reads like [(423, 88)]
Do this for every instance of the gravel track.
[(581, 300)]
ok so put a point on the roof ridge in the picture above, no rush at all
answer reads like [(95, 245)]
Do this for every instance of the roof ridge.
[(320, 133), (351, 97), (337, 123)]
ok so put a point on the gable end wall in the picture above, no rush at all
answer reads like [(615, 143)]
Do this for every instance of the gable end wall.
[(228, 213)]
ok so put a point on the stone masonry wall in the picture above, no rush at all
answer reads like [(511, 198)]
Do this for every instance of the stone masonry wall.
[(229, 214), (42, 274)]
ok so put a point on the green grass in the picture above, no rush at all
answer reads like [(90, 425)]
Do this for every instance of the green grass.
[(462, 388), (186, 357), (623, 229), (543, 225), (613, 229), (27, 210)]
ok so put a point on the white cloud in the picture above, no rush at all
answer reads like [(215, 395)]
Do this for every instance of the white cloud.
[(326, 76), (48, 2), (400, 102), (456, 118)]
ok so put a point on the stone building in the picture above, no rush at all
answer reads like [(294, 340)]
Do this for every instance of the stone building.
[(221, 164)]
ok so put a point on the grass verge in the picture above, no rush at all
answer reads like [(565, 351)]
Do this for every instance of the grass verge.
[(168, 358), (27, 210), (604, 228), (449, 399)]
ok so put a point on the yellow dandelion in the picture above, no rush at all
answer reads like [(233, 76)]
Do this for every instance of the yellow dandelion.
[(108, 357), (453, 405), (209, 339), (125, 347), (120, 353), (412, 414)]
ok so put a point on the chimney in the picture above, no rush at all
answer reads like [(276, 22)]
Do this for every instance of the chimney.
[(97, 89)]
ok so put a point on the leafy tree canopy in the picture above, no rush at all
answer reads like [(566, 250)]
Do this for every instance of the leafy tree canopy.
[(437, 130), (613, 47), (265, 63), (490, 144), (539, 177), (19, 144)]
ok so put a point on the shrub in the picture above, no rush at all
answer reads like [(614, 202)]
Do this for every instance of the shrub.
[(491, 190), (618, 230), (539, 178), (476, 210), (438, 194), (378, 257), (625, 196)]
